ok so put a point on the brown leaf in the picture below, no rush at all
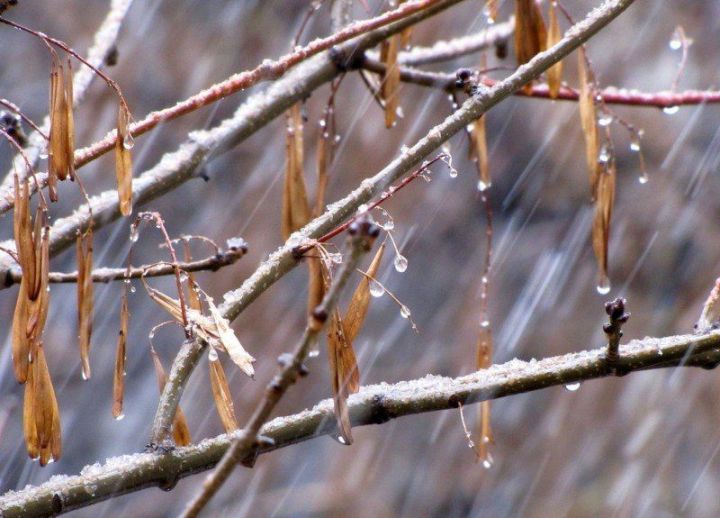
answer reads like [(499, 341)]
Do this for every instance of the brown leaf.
[(295, 208), (120, 356), (483, 360), (530, 33), (588, 119), (324, 157), (123, 161), (228, 341), (41, 416), (554, 35), (84, 246), (21, 342), (391, 79), (193, 295), (222, 396), (480, 152), (180, 430), (601, 222), (360, 301), (491, 10)]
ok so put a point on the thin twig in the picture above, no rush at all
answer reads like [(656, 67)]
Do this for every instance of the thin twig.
[(374, 404), (362, 236)]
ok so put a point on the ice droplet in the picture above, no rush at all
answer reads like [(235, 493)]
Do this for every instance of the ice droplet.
[(675, 42), (605, 119), (643, 178), (485, 323), (128, 141), (635, 145), (120, 417), (404, 311), (313, 353), (376, 289), (603, 287), (213, 355), (400, 263), (671, 110), (604, 156), (482, 186), (572, 387)]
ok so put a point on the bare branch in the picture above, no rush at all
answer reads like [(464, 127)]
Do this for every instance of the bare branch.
[(374, 404)]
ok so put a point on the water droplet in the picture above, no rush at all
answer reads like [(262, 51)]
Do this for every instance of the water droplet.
[(340, 439), (212, 354), (120, 417), (675, 42), (603, 287), (183, 277), (314, 353), (482, 186), (337, 138), (604, 155), (322, 123), (83, 375), (605, 119), (453, 172), (43, 155), (128, 141), (400, 263), (336, 258), (635, 145), (488, 462), (133, 235), (485, 323), (404, 311), (404, 149), (376, 289), (643, 178), (399, 112), (671, 110), (132, 289), (572, 387)]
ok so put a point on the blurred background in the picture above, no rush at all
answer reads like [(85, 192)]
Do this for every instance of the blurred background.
[(643, 445)]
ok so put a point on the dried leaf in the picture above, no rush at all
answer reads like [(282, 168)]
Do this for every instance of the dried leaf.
[(588, 121), (391, 79), (483, 361), (123, 161), (21, 342), (180, 430), (84, 247), (222, 396), (229, 341), (530, 33), (295, 208), (41, 416), (193, 295), (360, 301), (480, 153), (316, 282), (120, 356), (324, 157), (601, 222), (554, 35)]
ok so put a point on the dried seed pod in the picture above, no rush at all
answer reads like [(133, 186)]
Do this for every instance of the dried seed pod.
[(295, 208), (483, 361), (391, 79), (123, 160), (180, 430), (62, 127), (193, 295), (120, 356), (41, 416), (221, 395), (588, 119), (601, 223), (554, 35), (530, 32), (84, 247)]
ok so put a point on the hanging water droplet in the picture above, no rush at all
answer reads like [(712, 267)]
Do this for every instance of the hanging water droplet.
[(404, 311), (212, 354), (314, 353), (340, 439), (83, 375), (604, 155), (485, 323), (389, 223), (643, 178), (675, 42), (337, 138), (322, 123), (128, 141), (482, 186), (336, 258), (488, 462), (399, 112), (603, 287), (572, 387), (400, 263), (671, 110), (376, 289), (605, 119), (132, 289), (120, 417), (635, 145), (43, 155), (183, 276)]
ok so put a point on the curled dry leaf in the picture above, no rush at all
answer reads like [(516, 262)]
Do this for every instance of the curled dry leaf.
[(588, 119), (120, 355), (479, 151), (601, 222), (222, 396), (554, 35), (344, 370), (530, 33), (214, 329), (391, 79), (295, 208), (123, 160), (62, 127), (41, 415), (180, 430), (84, 249)]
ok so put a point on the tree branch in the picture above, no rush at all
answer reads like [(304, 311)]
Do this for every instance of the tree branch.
[(374, 404)]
